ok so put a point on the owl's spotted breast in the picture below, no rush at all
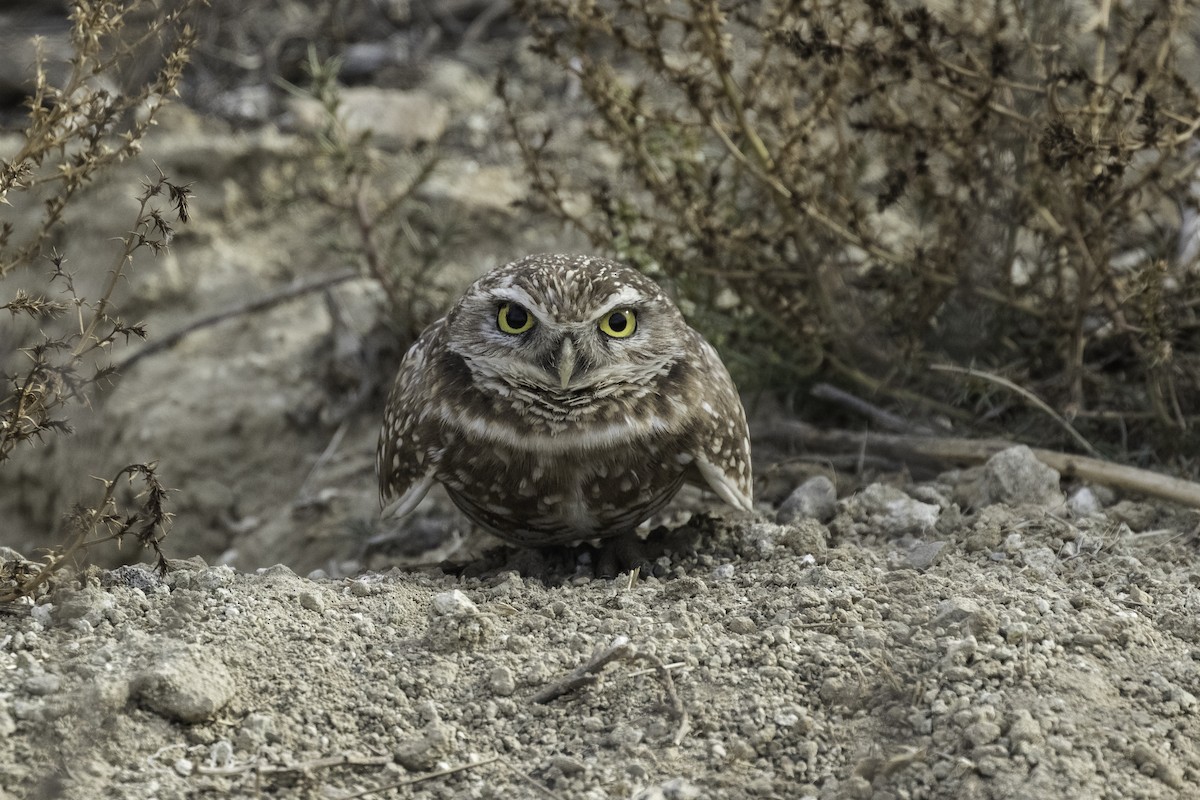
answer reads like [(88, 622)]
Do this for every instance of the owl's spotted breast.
[(560, 498), (562, 398)]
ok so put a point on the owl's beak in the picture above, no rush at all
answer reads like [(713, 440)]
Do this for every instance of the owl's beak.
[(566, 362)]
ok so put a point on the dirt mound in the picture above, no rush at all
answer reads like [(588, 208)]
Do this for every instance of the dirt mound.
[(1036, 654)]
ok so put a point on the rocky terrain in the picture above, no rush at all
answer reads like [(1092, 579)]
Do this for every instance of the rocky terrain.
[(886, 647), (986, 633)]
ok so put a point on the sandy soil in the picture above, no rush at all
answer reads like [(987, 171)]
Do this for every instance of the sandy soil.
[(1034, 654)]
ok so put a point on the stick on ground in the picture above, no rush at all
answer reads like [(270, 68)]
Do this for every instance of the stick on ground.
[(946, 451)]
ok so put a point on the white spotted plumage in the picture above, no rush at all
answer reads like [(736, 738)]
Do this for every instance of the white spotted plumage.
[(563, 431)]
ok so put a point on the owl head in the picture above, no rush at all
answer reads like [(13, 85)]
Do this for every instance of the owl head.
[(567, 326)]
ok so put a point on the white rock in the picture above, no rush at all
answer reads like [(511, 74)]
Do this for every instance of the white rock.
[(453, 604)]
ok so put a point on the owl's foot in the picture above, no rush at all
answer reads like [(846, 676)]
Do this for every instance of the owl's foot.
[(625, 553)]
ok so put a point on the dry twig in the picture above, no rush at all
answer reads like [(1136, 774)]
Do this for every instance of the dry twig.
[(297, 288), (946, 451), (620, 649)]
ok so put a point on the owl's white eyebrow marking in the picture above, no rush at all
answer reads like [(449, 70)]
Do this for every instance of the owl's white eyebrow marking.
[(622, 297), (516, 294)]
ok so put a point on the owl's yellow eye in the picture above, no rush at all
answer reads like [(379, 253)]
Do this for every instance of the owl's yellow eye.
[(513, 319), (619, 324)]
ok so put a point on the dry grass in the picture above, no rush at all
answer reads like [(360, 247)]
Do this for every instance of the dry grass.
[(75, 130)]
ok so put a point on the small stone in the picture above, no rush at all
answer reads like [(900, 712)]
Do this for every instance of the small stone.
[(680, 789), (1083, 502), (982, 733), (455, 621), (452, 603), (724, 572), (1152, 762), (805, 537), (1024, 729), (965, 614), (893, 511), (567, 765), (312, 600), (42, 684), (1016, 476), (186, 684), (502, 682), (923, 555), (422, 753), (816, 498), (133, 576)]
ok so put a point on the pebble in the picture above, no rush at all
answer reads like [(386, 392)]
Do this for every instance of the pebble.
[(567, 765), (312, 600), (922, 555), (816, 498), (422, 753), (91, 605), (1041, 560), (452, 603), (42, 684), (892, 510), (1015, 476), (185, 684), (1024, 729), (133, 576), (455, 621), (502, 682), (1083, 502), (1152, 762), (724, 572), (960, 612)]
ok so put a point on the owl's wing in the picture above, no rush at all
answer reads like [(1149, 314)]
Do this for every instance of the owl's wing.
[(402, 459), (721, 453)]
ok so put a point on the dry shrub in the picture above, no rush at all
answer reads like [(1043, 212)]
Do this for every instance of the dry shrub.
[(54, 340), (863, 188)]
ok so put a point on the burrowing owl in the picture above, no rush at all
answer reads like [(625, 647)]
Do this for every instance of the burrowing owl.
[(563, 398)]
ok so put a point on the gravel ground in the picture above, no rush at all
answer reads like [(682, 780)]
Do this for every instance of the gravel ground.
[(902, 649)]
